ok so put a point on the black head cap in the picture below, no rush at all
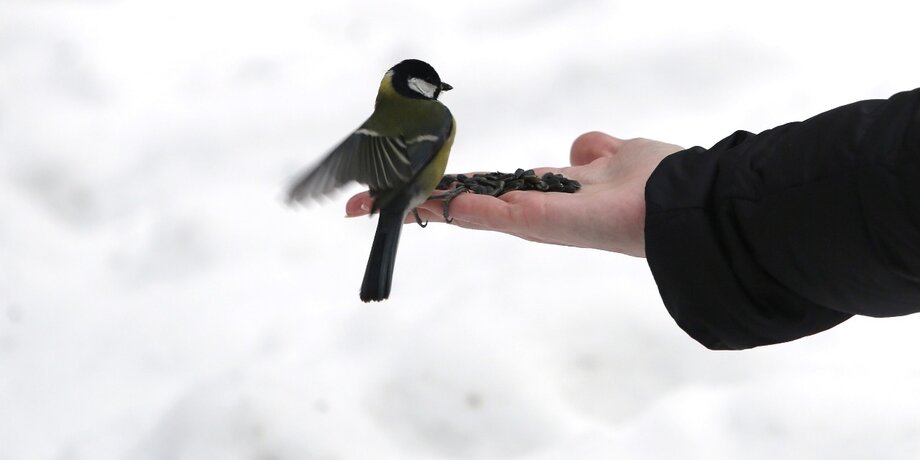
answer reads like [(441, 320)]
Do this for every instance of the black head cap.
[(417, 79)]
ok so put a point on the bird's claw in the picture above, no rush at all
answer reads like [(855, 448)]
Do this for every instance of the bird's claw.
[(418, 219), (446, 199)]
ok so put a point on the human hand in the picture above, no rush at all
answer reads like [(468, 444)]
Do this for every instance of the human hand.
[(607, 213)]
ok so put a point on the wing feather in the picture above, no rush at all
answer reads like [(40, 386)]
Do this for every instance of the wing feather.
[(365, 157), (379, 175)]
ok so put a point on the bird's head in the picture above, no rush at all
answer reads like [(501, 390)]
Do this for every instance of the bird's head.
[(416, 79)]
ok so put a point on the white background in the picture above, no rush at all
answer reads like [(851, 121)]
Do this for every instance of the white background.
[(158, 300)]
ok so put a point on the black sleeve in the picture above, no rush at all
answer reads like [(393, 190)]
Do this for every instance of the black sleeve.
[(771, 237)]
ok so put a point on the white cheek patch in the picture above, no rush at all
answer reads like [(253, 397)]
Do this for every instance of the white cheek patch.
[(422, 87)]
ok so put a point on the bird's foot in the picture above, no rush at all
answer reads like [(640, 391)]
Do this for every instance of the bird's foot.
[(446, 199)]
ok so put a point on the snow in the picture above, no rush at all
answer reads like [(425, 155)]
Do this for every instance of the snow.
[(159, 301)]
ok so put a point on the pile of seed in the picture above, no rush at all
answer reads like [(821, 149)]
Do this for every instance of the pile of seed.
[(498, 183)]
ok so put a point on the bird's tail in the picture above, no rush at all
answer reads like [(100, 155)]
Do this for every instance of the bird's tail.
[(379, 273)]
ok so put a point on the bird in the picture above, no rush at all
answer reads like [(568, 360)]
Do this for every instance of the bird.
[(400, 153)]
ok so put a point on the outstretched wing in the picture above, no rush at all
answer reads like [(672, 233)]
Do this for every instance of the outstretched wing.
[(378, 161)]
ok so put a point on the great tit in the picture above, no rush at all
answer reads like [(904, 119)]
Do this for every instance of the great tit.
[(400, 153)]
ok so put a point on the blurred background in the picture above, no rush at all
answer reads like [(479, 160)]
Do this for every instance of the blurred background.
[(159, 301)]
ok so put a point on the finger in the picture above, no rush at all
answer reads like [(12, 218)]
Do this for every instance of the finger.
[(467, 210), (593, 145), (484, 212), (359, 205)]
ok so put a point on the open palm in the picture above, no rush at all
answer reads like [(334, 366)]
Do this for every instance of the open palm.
[(607, 213)]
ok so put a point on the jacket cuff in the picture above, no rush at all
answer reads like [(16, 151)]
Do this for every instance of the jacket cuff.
[(707, 278)]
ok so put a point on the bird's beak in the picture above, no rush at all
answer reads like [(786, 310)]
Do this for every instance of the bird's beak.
[(446, 87)]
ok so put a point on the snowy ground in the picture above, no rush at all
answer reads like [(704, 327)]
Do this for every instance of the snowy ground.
[(158, 301)]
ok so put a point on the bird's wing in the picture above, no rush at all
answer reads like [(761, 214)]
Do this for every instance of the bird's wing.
[(366, 156)]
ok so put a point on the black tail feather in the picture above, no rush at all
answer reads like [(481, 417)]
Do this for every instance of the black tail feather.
[(378, 277)]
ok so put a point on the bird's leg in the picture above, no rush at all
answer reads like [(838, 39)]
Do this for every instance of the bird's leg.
[(418, 218), (446, 198)]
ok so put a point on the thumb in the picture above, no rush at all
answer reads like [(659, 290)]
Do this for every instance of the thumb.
[(593, 145)]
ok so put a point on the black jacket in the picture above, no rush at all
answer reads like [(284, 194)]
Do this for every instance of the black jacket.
[(770, 237)]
